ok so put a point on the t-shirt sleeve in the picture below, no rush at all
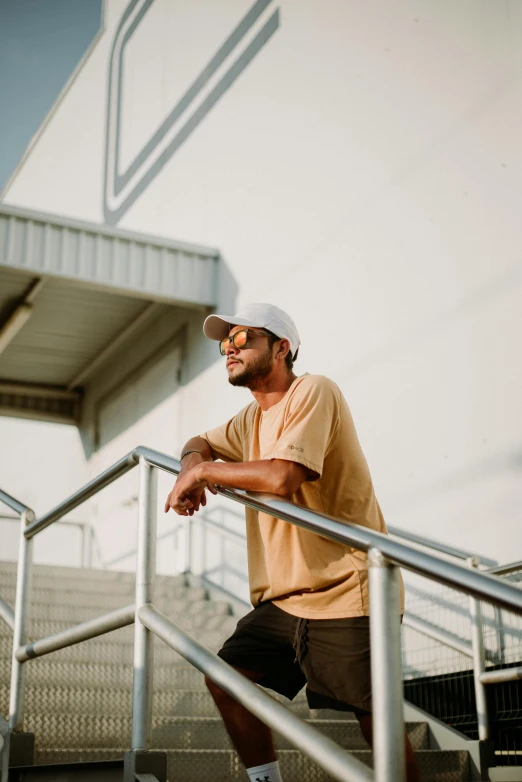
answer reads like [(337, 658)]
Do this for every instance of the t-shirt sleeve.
[(226, 441), (311, 420)]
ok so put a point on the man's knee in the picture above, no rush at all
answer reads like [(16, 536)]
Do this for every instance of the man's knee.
[(214, 689), (219, 694)]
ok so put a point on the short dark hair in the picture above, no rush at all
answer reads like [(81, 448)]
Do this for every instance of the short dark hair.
[(289, 359)]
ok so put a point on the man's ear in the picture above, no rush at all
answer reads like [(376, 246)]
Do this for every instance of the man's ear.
[(283, 349)]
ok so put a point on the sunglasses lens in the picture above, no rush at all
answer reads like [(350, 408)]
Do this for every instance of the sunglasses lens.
[(240, 339), (223, 346)]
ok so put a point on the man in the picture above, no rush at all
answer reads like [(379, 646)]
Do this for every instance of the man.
[(310, 623)]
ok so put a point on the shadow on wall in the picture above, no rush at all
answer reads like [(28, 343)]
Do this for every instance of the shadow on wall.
[(123, 189), (169, 352), (201, 352)]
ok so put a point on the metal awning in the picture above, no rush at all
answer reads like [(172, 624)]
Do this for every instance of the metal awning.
[(70, 292)]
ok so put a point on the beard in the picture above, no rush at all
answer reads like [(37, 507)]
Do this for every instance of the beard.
[(254, 375)]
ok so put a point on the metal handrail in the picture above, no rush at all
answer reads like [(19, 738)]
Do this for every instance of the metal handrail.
[(7, 614), (504, 570), (86, 531), (474, 582), (411, 621), (436, 545), (92, 628), (330, 756), (384, 556), (84, 493), (16, 505)]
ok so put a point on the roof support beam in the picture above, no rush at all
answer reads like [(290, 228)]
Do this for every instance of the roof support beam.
[(14, 324), (129, 329), (17, 320)]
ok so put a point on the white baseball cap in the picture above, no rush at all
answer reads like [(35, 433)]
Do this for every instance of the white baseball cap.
[(258, 316)]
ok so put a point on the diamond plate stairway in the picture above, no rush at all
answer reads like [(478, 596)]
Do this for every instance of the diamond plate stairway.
[(78, 701)]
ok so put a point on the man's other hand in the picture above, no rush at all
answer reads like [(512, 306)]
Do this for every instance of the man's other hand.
[(188, 494)]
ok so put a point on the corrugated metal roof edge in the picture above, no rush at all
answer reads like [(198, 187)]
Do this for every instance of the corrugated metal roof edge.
[(10, 210)]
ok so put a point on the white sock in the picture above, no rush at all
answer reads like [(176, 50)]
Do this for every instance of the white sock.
[(267, 773)]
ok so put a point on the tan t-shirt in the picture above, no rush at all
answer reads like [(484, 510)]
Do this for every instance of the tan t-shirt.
[(303, 573)]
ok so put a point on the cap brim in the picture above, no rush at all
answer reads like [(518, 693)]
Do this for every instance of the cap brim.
[(217, 326)]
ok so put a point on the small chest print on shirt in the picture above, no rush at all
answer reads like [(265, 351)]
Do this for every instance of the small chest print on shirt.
[(295, 447)]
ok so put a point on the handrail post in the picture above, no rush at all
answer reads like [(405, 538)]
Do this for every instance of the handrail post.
[(145, 578), (479, 661), (19, 748), (139, 759), (386, 664), (22, 607)]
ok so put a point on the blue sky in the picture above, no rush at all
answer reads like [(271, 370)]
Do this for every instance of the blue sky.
[(41, 41)]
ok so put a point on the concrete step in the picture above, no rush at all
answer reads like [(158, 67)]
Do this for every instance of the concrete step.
[(186, 620), (71, 572), (45, 671), (179, 607), (113, 702), (79, 730), (61, 590), (84, 575), (224, 765)]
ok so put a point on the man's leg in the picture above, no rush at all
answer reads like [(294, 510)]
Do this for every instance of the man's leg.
[(412, 767), (251, 737)]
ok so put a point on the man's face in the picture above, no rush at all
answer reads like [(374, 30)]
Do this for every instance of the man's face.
[(249, 367)]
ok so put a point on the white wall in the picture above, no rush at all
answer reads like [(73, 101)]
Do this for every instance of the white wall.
[(363, 173), (40, 465)]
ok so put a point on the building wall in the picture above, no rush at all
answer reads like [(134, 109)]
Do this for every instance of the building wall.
[(363, 172)]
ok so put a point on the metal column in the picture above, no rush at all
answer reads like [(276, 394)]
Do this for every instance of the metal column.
[(22, 607), (145, 578), (19, 746), (479, 662), (388, 706)]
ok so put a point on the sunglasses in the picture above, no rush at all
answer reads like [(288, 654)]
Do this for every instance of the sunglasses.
[(239, 340)]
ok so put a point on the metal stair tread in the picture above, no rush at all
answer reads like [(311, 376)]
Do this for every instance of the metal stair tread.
[(194, 609), (115, 701), (181, 732), (43, 628), (76, 573), (105, 648), (221, 765), (96, 702)]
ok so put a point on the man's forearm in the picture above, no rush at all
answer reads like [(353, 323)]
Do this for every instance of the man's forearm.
[(201, 451), (272, 476)]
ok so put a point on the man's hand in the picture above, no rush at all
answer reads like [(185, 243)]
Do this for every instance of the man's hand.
[(188, 493)]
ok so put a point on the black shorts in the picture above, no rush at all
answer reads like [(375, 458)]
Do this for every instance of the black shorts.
[(330, 656)]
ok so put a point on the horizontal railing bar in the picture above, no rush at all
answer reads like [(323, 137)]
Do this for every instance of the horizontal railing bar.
[(469, 580), (504, 675), (16, 505), (7, 613), (443, 636), (337, 762), (436, 545), (66, 522), (74, 635), (83, 494), (503, 570)]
